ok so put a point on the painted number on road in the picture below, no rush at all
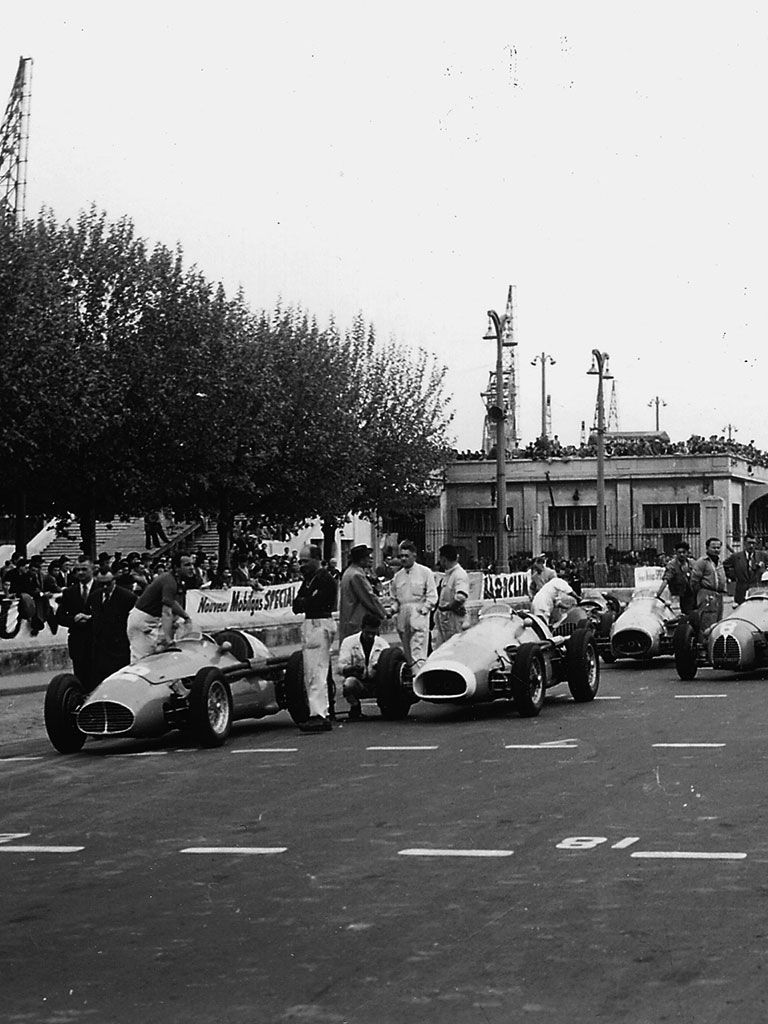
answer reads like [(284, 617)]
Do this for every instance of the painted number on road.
[(592, 842)]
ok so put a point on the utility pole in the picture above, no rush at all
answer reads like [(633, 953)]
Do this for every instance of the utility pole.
[(731, 430), (657, 402), (543, 359), (497, 413), (600, 370)]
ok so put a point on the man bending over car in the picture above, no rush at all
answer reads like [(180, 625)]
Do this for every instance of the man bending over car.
[(152, 621), (552, 600)]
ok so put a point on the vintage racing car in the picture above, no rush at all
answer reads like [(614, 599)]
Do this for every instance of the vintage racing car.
[(200, 686), (598, 611), (738, 643), (645, 628), (507, 654)]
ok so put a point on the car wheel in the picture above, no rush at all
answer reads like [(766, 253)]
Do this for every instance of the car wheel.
[(210, 708), (583, 667), (527, 681), (238, 645), (392, 695), (684, 647), (63, 699), (293, 689), (604, 623)]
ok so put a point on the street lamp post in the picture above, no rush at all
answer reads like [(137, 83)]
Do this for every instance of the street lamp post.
[(543, 359), (657, 402), (497, 414), (599, 368)]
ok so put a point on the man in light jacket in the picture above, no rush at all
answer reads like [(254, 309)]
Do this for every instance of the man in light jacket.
[(358, 657), (356, 596), (414, 594)]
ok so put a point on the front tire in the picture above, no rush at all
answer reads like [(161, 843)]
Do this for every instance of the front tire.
[(210, 708), (527, 681), (63, 699), (294, 690), (392, 696), (583, 667), (684, 647)]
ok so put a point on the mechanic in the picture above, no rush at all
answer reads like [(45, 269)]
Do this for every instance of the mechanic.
[(152, 621), (540, 574), (708, 583), (554, 597), (356, 596), (358, 657), (745, 568), (414, 594), (452, 596), (316, 599), (677, 576)]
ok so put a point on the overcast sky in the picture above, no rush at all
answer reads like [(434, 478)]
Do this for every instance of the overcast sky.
[(412, 160)]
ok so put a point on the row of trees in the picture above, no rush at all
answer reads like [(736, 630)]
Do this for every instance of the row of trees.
[(129, 381)]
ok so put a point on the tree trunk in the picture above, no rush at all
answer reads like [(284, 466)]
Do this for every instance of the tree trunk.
[(20, 521), (330, 526), (224, 529), (87, 519)]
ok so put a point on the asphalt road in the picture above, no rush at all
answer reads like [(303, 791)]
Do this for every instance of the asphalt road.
[(477, 867)]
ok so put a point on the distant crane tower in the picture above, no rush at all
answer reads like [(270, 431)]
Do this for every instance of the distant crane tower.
[(509, 385), (613, 412), (14, 145), (583, 435), (549, 416)]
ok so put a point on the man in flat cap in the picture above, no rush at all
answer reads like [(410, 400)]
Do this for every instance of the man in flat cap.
[(356, 594)]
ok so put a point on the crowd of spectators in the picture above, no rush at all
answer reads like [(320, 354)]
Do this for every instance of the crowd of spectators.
[(551, 448)]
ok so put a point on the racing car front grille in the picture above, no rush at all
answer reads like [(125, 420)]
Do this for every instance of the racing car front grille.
[(442, 683), (632, 643), (726, 652), (104, 718), (567, 628)]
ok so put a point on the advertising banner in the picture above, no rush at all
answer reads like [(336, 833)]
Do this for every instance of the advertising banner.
[(647, 575), (242, 606), (508, 584)]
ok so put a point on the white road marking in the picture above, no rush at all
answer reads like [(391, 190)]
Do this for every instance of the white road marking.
[(401, 748), (455, 853), (5, 760), (685, 855), (234, 849), (624, 843), (551, 745), (607, 698), (698, 696), (686, 745), (41, 849), (8, 837), (142, 753), (266, 750)]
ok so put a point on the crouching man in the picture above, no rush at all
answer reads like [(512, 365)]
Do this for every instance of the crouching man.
[(358, 657)]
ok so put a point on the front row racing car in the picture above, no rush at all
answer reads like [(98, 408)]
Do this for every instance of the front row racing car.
[(645, 628), (596, 611), (510, 656), (738, 643), (199, 686)]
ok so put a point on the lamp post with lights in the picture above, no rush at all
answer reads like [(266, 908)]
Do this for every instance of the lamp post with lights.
[(497, 413), (657, 402), (543, 359), (600, 369)]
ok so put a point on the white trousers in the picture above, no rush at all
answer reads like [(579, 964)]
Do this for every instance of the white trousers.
[(143, 633), (413, 628), (317, 637)]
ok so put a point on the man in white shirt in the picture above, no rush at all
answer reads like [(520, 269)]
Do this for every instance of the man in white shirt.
[(551, 599), (414, 594), (358, 657), (452, 596)]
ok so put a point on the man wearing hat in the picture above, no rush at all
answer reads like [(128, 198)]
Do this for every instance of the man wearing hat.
[(356, 597), (358, 657)]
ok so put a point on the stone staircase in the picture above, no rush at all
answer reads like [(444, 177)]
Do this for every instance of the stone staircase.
[(113, 536)]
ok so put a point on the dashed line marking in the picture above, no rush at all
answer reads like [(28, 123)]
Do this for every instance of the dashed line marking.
[(688, 745), (41, 849), (551, 745), (455, 853), (259, 850), (607, 698), (685, 855), (142, 753), (266, 750), (698, 696), (402, 748), (8, 760)]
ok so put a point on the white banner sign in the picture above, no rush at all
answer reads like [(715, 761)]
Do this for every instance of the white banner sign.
[(508, 584), (242, 606), (646, 575)]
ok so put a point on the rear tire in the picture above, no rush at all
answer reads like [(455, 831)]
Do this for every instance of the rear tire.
[(63, 699), (239, 647), (684, 647), (527, 681), (393, 698), (210, 708), (294, 690), (583, 667)]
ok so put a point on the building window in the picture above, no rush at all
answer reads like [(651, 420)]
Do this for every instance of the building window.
[(572, 519), (735, 522), (671, 517), (481, 520)]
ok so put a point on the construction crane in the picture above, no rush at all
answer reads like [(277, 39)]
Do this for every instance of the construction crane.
[(14, 145), (613, 412), (509, 385)]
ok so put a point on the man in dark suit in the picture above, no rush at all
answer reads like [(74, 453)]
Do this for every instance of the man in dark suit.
[(111, 605), (744, 568), (75, 612)]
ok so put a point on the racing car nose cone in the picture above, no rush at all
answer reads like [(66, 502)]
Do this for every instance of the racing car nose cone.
[(444, 680)]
